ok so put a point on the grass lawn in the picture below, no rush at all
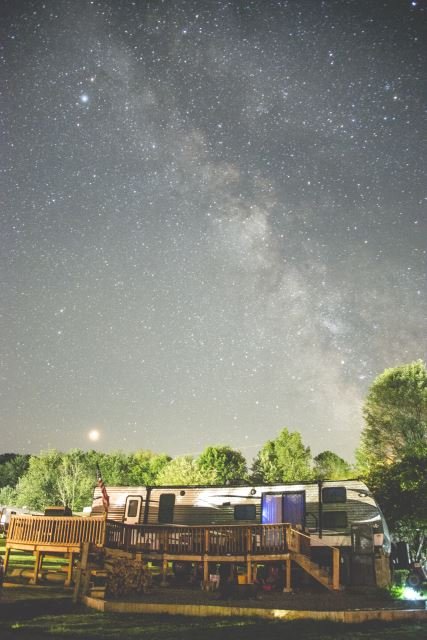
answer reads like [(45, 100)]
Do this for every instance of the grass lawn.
[(90, 625), (22, 560)]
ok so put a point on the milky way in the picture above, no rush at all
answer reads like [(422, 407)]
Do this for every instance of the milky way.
[(213, 219)]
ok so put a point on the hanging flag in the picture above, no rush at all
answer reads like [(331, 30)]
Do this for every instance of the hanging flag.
[(101, 485)]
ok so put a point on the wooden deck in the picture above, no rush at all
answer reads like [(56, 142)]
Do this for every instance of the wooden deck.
[(214, 540), (47, 535), (242, 544)]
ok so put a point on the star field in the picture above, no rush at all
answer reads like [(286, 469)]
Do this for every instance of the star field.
[(213, 219)]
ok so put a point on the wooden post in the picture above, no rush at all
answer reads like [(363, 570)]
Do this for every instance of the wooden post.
[(254, 572), (206, 549), (166, 540), (127, 537), (6, 559), (81, 572), (335, 568), (206, 557), (288, 537), (288, 587), (298, 541), (164, 582), (249, 555), (37, 566), (249, 540), (249, 570), (205, 569), (104, 530), (69, 570)]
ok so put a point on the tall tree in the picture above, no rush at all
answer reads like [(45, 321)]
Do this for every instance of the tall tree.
[(181, 470), (75, 480), (329, 466), (395, 415), (38, 487), (284, 459), (401, 489), (223, 465), (8, 496), (55, 478), (12, 467), (128, 469), (115, 466), (146, 466)]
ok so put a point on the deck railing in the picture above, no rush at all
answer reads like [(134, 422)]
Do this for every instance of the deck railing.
[(43, 533), (55, 531), (301, 543), (236, 542), (298, 542), (199, 540)]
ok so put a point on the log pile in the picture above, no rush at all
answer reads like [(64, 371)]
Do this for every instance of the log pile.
[(127, 576)]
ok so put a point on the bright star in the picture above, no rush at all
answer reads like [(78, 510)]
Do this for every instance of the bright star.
[(84, 98)]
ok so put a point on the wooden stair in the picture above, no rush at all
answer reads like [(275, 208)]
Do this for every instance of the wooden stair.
[(313, 569)]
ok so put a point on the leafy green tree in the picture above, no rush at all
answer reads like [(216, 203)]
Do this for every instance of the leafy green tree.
[(181, 470), (127, 469), (284, 459), (8, 496), (395, 415), (55, 478), (401, 489), (329, 466), (115, 468), (222, 465), (75, 481), (145, 467), (12, 467), (5, 457), (38, 487)]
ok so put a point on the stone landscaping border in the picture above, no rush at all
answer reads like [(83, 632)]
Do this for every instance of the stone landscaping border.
[(202, 610)]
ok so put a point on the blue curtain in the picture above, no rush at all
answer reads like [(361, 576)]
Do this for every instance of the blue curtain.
[(293, 507), (272, 509)]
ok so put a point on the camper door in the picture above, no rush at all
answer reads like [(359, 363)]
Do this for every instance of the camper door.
[(287, 506), (362, 554), (133, 510)]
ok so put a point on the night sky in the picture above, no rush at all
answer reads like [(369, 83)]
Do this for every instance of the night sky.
[(213, 219)]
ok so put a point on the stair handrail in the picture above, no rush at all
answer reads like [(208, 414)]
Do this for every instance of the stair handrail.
[(295, 534)]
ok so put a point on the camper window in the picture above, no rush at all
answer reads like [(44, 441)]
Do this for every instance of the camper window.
[(334, 520), (132, 508), (245, 512), (334, 494)]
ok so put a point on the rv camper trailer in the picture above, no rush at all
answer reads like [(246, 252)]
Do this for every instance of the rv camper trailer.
[(7, 512), (341, 514)]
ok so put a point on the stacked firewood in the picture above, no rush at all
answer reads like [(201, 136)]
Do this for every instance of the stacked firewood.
[(127, 576)]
